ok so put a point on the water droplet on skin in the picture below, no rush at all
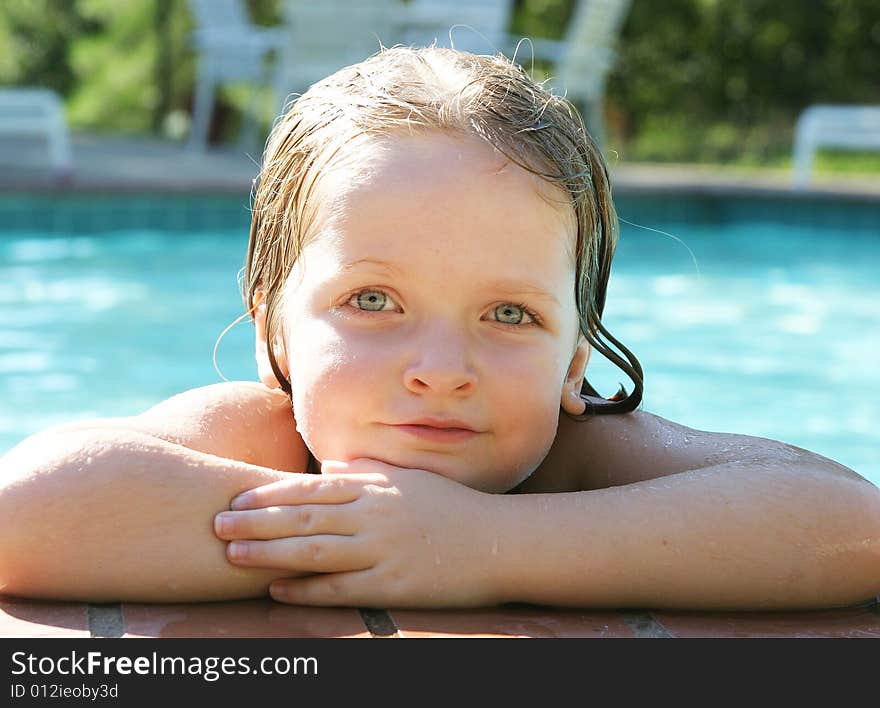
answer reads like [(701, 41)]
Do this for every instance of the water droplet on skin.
[(495, 547)]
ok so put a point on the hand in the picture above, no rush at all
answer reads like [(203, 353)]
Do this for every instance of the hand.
[(377, 535)]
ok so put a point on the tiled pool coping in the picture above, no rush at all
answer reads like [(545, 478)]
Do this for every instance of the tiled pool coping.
[(82, 213), (85, 213), (265, 618)]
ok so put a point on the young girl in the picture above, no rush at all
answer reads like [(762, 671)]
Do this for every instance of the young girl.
[(431, 243)]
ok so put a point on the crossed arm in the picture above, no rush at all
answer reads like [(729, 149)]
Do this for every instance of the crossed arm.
[(123, 510)]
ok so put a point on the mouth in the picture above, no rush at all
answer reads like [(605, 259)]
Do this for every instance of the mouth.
[(438, 430)]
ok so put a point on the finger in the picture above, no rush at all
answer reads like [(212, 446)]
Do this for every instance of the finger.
[(317, 554), (304, 489), (274, 522), (352, 589)]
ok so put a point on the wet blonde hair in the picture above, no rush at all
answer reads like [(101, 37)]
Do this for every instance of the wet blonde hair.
[(406, 89)]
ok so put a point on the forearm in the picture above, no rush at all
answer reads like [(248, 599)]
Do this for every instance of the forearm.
[(742, 535), (109, 515)]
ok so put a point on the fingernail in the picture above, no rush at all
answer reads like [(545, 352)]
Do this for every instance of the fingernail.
[(237, 550), (222, 524), (240, 501)]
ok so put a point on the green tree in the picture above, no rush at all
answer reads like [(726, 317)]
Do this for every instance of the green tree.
[(35, 39), (717, 79), (127, 74)]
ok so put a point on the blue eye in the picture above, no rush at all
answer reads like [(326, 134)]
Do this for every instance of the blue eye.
[(509, 314), (370, 300)]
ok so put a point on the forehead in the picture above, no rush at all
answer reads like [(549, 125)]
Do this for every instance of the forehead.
[(436, 183)]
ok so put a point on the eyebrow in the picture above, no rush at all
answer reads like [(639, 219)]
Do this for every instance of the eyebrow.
[(375, 262), (521, 287), (507, 286)]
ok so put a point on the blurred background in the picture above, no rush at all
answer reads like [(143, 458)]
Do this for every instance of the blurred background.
[(743, 138), (693, 80), (708, 81)]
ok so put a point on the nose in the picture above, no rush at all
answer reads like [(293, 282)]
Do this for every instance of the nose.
[(441, 364)]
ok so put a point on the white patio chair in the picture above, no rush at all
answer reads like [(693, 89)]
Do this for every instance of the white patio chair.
[(585, 56), (37, 112), (322, 36), (478, 27), (840, 126), (230, 49)]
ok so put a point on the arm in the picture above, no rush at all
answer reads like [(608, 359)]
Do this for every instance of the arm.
[(754, 534), (688, 519), (683, 518), (122, 509)]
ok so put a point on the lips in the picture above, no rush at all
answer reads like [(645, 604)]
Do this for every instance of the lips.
[(440, 430), (441, 423)]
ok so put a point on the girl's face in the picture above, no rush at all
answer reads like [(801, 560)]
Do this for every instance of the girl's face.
[(431, 322)]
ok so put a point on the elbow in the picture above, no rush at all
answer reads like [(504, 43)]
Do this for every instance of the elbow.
[(849, 551), (14, 578), (45, 483), (11, 538)]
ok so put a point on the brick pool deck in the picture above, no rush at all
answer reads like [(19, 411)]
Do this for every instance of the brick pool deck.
[(108, 166), (265, 618)]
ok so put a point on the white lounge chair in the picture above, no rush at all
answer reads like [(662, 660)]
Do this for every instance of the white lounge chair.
[(582, 59), (322, 36), (585, 56), (37, 112), (840, 126), (319, 37), (230, 49), (478, 27)]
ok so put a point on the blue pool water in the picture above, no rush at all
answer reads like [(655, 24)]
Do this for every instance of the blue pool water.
[(774, 332)]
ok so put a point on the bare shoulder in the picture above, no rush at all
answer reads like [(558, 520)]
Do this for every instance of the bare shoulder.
[(610, 450), (238, 420)]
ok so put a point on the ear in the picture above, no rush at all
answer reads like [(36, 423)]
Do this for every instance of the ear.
[(571, 402), (264, 368)]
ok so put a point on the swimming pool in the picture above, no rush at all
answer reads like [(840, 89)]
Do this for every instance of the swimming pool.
[(109, 306)]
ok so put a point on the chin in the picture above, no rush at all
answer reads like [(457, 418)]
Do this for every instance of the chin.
[(482, 477), (479, 476)]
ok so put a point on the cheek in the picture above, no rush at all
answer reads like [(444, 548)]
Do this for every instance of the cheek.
[(331, 379), (526, 392), (318, 371), (534, 375)]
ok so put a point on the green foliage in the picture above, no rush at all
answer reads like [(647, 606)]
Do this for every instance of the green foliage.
[(736, 74), (102, 56), (121, 81), (35, 37), (725, 80), (541, 18), (115, 88)]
